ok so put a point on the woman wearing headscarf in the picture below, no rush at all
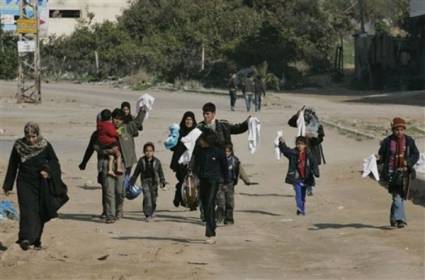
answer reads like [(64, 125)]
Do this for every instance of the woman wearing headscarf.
[(128, 117), (41, 191), (187, 124)]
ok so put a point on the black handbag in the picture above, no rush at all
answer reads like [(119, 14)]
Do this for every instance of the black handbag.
[(396, 181)]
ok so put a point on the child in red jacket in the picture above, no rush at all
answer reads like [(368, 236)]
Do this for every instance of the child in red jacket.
[(108, 140)]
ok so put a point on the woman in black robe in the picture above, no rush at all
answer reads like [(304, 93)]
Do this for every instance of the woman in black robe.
[(187, 124), (41, 191)]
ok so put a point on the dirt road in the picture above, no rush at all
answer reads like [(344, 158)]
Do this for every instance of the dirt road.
[(345, 234)]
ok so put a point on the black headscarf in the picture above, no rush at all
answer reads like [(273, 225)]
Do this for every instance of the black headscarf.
[(183, 129)]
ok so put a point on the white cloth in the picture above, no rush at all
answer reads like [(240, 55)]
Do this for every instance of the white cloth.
[(277, 152), (254, 128), (189, 141), (420, 165), (370, 166), (301, 124), (146, 101)]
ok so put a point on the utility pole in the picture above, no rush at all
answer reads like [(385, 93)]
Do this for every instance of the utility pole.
[(29, 76), (361, 9)]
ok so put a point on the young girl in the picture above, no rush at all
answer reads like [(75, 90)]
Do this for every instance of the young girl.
[(107, 136), (151, 175), (301, 171)]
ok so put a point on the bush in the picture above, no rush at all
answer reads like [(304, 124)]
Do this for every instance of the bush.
[(8, 55)]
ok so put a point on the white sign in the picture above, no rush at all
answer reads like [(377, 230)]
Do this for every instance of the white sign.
[(26, 46), (7, 19)]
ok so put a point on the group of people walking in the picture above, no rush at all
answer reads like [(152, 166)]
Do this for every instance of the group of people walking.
[(253, 90), (41, 191)]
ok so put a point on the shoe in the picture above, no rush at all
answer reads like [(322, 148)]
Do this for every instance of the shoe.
[(102, 216), (401, 224), (310, 193), (210, 240), (25, 244), (37, 246), (110, 220), (298, 212), (393, 223), (176, 202), (120, 215)]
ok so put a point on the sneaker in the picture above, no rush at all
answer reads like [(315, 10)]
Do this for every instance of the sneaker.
[(210, 240), (25, 244)]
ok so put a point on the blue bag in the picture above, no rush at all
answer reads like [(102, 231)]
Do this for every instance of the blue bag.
[(131, 192)]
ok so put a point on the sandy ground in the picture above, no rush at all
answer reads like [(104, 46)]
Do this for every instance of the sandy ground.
[(345, 234)]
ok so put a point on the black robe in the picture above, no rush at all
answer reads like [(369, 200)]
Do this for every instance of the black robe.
[(39, 199)]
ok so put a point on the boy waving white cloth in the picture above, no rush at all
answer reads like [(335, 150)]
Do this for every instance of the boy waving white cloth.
[(370, 166), (254, 128), (146, 101), (189, 141)]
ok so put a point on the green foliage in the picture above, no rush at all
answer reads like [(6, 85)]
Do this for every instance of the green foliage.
[(166, 38), (8, 55)]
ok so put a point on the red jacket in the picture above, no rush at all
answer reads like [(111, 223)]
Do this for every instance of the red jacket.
[(107, 133)]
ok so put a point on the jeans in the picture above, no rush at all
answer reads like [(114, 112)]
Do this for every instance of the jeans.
[(300, 192), (208, 192), (150, 194), (397, 209), (233, 97), (249, 98), (225, 203), (257, 102)]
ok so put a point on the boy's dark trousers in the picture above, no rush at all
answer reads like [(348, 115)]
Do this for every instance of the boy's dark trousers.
[(225, 203), (208, 193), (150, 193)]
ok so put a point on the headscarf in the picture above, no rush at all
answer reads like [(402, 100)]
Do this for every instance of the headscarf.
[(183, 129), (27, 151)]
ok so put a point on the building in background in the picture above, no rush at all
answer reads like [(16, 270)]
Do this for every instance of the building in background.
[(64, 14), (60, 17)]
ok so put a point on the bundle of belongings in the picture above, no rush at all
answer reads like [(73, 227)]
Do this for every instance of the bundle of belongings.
[(190, 191), (8, 210), (173, 136)]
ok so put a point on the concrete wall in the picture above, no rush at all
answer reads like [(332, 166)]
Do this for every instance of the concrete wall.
[(102, 10)]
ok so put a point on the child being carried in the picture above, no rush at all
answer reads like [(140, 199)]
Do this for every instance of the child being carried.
[(107, 136)]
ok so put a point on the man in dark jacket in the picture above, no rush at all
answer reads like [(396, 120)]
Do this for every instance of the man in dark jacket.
[(233, 87), (314, 143), (222, 128), (398, 154), (211, 168)]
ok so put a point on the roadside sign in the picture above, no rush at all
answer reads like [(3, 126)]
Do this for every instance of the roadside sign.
[(26, 26), (26, 46), (7, 19)]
